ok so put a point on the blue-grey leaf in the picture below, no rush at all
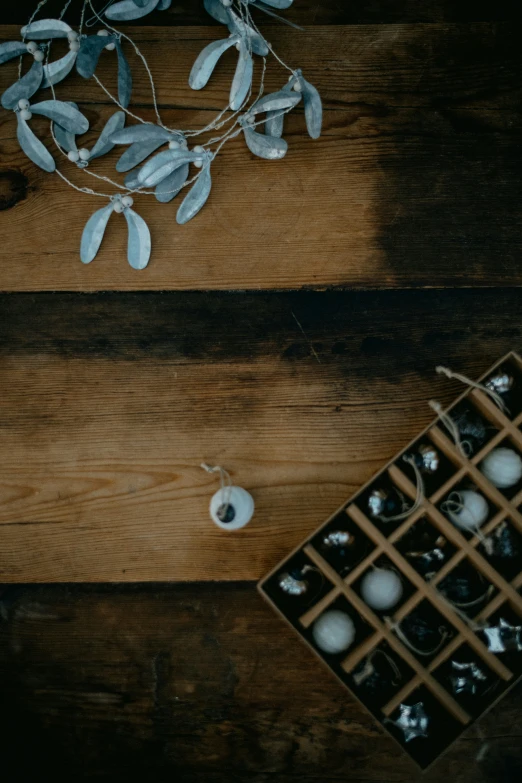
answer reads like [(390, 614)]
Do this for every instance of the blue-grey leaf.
[(136, 154), (138, 248), (275, 123), (89, 54), (217, 10), (124, 77), (164, 5), (257, 42), (313, 107), (43, 29), (11, 49), (140, 3), (131, 181), (93, 233), (207, 60), (242, 81), (283, 100), (197, 196), (281, 4), (104, 143), (24, 87), (63, 114), (65, 139), (268, 147), (163, 164), (127, 10), (141, 132), (33, 147), (56, 71), (171, 185)]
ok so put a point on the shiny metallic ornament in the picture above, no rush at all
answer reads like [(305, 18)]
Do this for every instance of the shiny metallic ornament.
[(465, 678), (428, 459), (383, 503), (503, 637), (500, 383), (292, 585), (412, 721), (338, 538)]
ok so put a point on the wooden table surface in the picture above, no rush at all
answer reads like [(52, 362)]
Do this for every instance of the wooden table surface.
[(289, 333)]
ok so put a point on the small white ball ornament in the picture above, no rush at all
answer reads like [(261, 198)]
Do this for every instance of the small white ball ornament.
[(227, 3), (103, 33), (381, 588), (467, 509), (72, 35), (84, 154), (118, 206), (334, 632), (23, 103), (74, 156), (231, 508), (32, 47), (74, 46), (110, 46), (503, 467), (127, 201), (38, 56), (25, 114), (174, 145)]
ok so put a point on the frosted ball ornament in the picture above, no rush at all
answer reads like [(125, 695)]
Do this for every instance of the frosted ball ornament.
[(39, 56), (118, 206), (503, 467), (381, 588), (334, 632), (74, 156), (32, 47), (84, 154), (231, 508), (127, 201), (23, 103), (467, 509), (25, 114)]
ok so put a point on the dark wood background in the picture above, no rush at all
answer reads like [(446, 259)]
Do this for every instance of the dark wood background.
[(110, 400)]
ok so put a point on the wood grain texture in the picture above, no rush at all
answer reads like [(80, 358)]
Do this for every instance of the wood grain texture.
[(312, 12), (110, 403), (197, 683), (415, 182)]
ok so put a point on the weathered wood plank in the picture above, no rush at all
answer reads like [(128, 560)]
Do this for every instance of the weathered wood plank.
[(197, 683), (110, 403), (417, 163), (311, 12)]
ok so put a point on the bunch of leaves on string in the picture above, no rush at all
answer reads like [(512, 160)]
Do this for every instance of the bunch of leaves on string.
[(158, 158)]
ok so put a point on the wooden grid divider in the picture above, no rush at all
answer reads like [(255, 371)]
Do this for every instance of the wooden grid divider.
[(507, 510), (432, 595), (450, 648), (453, 534), (371, 618)]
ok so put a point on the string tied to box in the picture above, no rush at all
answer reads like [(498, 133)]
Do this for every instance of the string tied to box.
[(485, 388)]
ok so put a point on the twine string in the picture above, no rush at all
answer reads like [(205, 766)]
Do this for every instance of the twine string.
[(225, 486), (497, 399)]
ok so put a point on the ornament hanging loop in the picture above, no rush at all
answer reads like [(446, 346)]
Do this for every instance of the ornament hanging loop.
[(497, 399)]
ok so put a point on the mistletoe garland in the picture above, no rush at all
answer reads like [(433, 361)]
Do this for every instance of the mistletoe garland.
[(167, 172)]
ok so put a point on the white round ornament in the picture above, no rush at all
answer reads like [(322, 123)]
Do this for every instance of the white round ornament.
[(467, 509), (381, 588), (231, 508), (503, 467), (334, 631)]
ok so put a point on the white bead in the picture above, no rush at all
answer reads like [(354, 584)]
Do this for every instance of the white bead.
[(174, 145), (198, 149), (240, 507), (74, 156), (381, 588), (84, 153), (238, 46), (103, 32), (127, 201), (39, 56), (198, 163), (23, 103), (32, 47), (503, 467), (473, 513), (297, 87), (111, 47), (118, 206), (74, 46), (72, 35), (334, 632), (25, 114), (227, 3)]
